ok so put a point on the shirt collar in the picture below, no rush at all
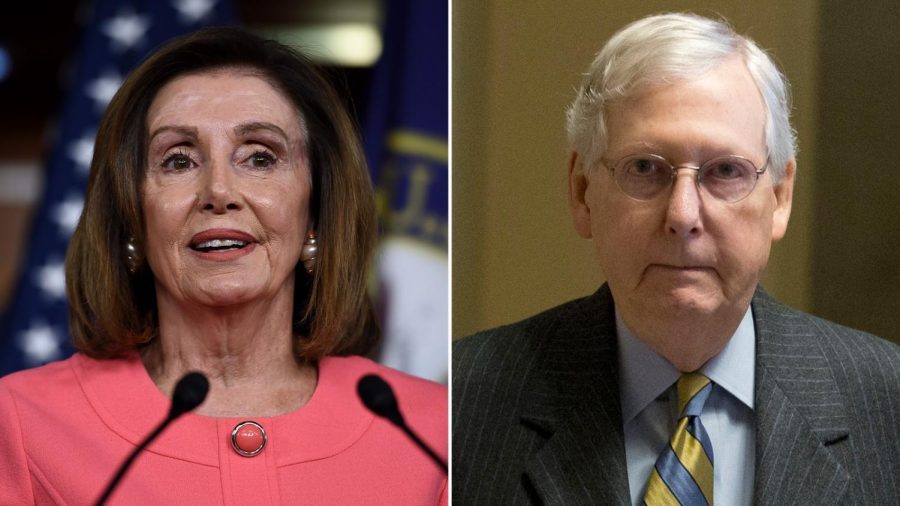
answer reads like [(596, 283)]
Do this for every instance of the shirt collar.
[(645, 375)]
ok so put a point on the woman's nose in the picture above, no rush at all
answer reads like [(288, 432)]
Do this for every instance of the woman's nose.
[(218, 193)]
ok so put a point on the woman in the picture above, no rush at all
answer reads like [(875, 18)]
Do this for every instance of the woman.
[(227, 226)]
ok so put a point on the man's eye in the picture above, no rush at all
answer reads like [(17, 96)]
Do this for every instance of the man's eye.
[(643, 167), (725, 170)]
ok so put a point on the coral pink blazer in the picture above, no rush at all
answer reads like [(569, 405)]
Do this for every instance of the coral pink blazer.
[(66, 427)]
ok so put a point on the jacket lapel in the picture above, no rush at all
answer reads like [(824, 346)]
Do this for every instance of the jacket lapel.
[(574, 403), (800, 412)]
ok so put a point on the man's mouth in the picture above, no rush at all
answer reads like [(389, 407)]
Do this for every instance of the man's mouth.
[(681, 268)]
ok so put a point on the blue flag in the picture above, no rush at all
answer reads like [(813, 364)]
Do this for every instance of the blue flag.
[(406, 146), (118, 36)]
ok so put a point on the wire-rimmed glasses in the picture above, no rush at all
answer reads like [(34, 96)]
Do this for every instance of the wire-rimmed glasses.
[(643, 176)]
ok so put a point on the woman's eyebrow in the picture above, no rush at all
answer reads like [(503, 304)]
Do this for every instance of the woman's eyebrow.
[(190, 132), (246, 128)]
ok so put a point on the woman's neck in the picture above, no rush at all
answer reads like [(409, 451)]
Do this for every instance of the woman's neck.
[(246, 351)]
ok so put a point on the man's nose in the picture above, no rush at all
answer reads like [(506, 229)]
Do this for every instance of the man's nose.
[(683, 213)]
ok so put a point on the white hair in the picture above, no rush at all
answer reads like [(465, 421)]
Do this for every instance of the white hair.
[(665, 48)]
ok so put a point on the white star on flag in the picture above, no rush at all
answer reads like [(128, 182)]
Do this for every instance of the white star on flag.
[(115, 35), (51, 278), (192, 11), (126, 29), (82, 151), (67, 214), (40, 344), (102, 89)]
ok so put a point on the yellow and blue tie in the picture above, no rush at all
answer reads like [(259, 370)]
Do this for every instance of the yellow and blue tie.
[(683, 473)]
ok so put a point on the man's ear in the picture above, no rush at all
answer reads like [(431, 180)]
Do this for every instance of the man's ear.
[(784, 195), (578, 184)]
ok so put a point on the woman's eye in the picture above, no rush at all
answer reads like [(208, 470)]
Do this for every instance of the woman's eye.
[(178, 162), (261, 160)]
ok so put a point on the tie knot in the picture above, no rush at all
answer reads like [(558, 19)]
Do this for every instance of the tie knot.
[(693, 390)]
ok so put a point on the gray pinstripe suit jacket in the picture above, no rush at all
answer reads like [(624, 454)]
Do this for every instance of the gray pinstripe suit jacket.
[(536, 415)]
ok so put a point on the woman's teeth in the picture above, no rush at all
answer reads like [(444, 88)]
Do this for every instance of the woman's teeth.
[(219, 245)]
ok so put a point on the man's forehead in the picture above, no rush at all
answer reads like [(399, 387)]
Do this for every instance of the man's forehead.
[(721, 109)]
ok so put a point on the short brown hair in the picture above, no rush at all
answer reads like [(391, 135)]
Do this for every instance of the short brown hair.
[(113, 312)]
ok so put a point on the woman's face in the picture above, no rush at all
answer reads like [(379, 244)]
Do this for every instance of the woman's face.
[(226, 191)]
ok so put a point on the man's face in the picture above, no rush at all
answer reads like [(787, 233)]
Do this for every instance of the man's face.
[(683, 254)]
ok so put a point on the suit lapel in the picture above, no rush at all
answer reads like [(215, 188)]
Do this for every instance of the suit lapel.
[(574, 403), (800, 412)]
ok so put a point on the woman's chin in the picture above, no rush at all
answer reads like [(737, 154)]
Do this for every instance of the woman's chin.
[(228, 294)]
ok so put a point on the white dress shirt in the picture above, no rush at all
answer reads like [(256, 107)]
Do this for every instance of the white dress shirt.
[(647, 393)]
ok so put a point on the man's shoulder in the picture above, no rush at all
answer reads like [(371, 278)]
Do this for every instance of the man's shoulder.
[(506, 347), (867, 365), (853, 355), (852, 340), (845, 386), (515, 385), (845, 341)]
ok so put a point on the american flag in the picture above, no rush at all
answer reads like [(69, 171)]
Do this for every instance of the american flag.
[(406, 145), (119, 34)]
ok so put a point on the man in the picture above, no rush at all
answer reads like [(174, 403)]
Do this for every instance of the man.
[(680, 380)]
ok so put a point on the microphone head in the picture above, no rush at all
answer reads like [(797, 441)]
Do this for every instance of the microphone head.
[(189, 392), (377, 395)]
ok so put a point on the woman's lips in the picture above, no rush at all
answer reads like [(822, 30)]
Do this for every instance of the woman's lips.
[(222, 245), (224, 255), (221, 233)]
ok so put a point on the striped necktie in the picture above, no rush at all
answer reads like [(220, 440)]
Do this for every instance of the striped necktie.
[(683, 473)]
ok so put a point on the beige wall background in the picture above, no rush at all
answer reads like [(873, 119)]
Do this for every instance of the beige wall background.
[(515, 69)]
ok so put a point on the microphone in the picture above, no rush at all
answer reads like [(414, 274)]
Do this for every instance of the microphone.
[(189, 392), (377, 395)]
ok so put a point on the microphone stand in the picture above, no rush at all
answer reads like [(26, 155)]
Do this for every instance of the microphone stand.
[(190, 391), (378, 396)]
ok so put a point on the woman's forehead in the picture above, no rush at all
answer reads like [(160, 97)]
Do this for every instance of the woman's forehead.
[(223, 101)]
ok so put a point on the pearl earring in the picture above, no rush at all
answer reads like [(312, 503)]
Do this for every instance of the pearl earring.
[(133, 258), (309, 253)]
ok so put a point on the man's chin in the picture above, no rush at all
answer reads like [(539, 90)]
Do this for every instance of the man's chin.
[(681, 301)]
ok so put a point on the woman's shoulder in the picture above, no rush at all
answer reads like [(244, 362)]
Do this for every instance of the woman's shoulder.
[(407, 386), (423, 403), (29, 396), (65, 379), (55, 377)]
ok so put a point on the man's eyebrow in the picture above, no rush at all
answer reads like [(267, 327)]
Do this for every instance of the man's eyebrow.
[(247, 128), (645, 145), (190, 132)]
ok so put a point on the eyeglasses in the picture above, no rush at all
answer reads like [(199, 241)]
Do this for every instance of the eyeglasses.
[(644, 176)]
